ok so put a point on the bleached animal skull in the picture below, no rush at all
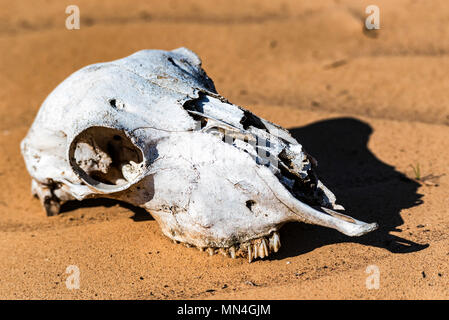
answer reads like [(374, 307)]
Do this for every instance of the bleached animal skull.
[(151, 130)]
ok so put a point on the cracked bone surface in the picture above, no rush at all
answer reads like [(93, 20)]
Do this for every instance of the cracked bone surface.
[(150, 129)]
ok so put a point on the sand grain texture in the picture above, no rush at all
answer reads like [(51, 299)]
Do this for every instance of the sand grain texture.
[(367, 105)]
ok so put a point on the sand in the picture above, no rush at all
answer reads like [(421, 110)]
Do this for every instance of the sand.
[(368, 105)]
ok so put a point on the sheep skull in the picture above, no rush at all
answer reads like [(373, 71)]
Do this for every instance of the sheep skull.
[(150, 129)]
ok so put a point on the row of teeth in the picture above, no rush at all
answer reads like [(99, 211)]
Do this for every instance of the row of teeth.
[(257, 248)]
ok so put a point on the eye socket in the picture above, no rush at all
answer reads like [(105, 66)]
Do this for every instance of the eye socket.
[(106, 158)]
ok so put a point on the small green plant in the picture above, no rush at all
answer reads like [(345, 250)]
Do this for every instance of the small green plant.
[(416, 171), (429, 180)]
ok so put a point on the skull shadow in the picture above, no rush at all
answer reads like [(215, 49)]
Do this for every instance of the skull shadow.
[(140, 214), (369, 189), (144, 187)]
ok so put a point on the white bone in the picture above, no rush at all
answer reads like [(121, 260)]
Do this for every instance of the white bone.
[(151, 130)]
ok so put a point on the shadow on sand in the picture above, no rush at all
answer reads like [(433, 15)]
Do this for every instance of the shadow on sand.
[(140, 214), (369, 189)]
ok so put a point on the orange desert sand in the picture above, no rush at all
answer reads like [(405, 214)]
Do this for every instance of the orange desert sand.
[(370, 106)]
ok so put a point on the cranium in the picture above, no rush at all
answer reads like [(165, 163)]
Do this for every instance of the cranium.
[(150, 129)]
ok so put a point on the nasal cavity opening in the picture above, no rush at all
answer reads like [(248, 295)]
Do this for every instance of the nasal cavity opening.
[(106, 157)]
